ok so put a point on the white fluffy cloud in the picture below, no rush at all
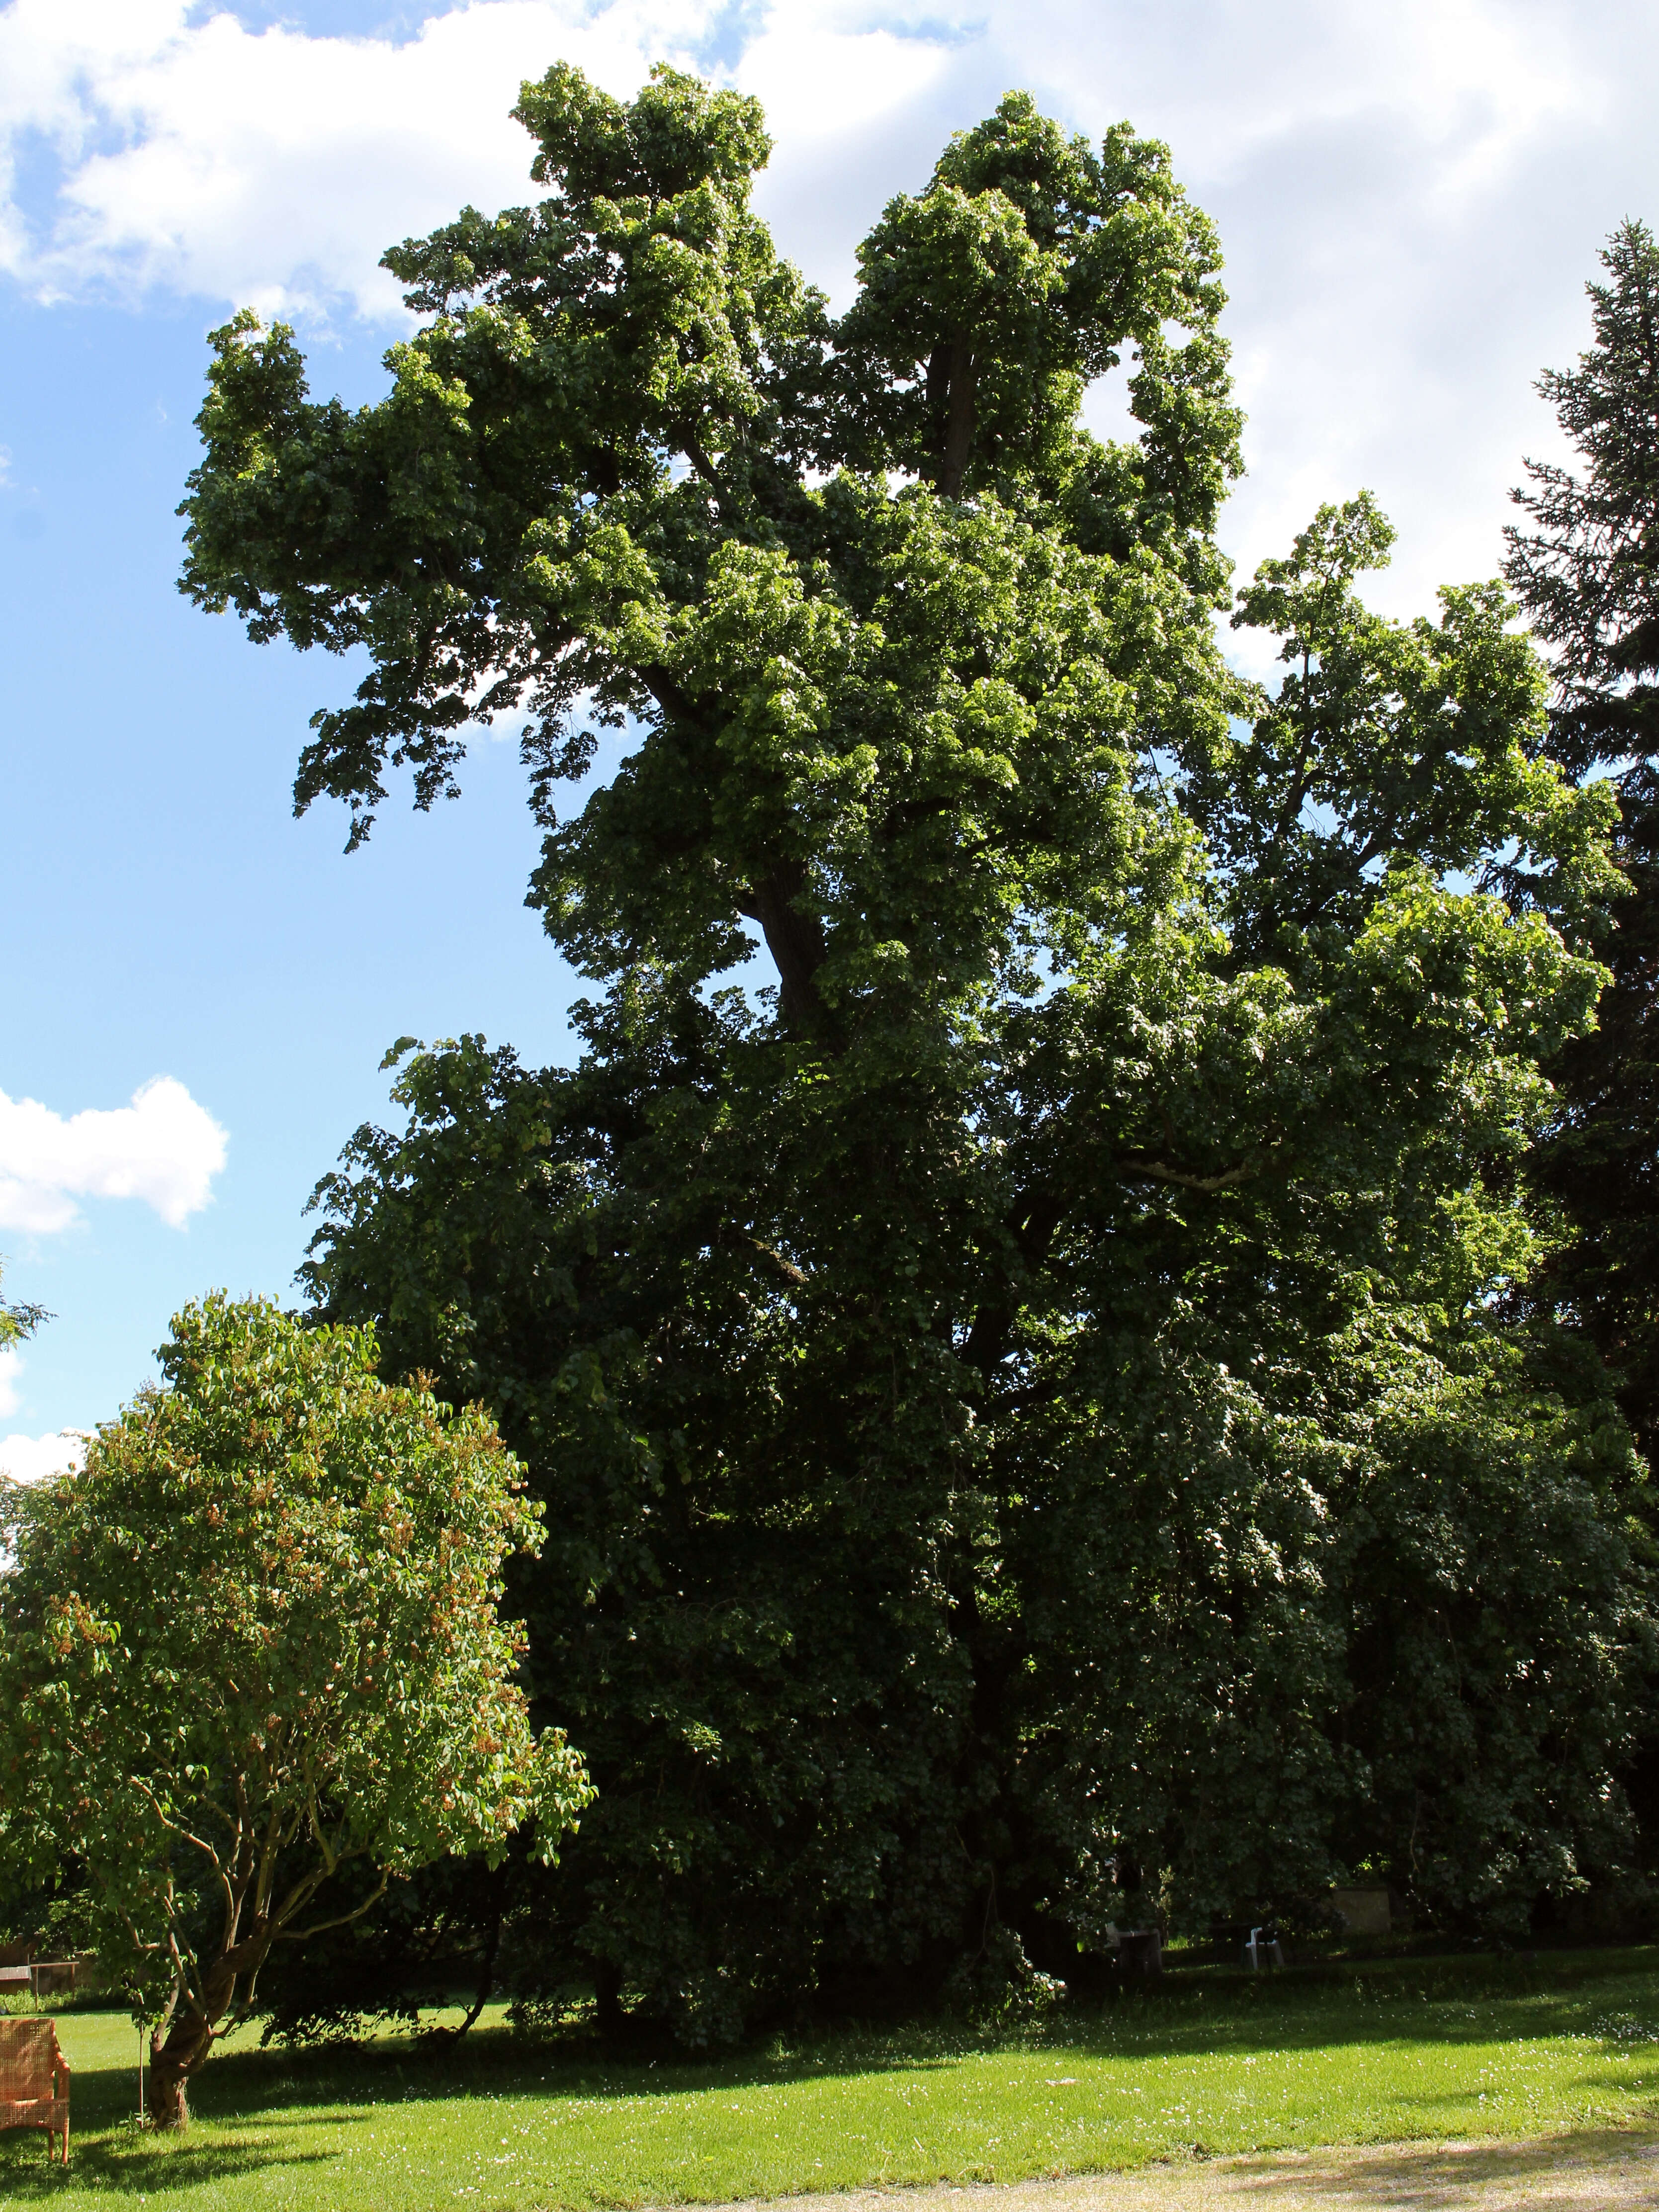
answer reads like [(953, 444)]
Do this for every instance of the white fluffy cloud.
[(27, 1459), (275, 166), (1411, 196), (272, 167), (163, 1148), (31, 1459)]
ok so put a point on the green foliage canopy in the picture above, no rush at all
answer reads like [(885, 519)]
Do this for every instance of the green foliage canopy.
[(257, 1639), (1027, 1436)]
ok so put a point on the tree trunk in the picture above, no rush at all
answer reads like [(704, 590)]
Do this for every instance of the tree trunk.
[(179, 2046), (173, 2059), (609, 2017), (954, 385), (491, 1952), (795, 941)]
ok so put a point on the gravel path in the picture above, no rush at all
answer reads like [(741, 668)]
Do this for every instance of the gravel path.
[(1561, 2174)]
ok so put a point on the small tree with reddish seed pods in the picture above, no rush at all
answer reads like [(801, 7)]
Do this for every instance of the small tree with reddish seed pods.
[(255, 1639)]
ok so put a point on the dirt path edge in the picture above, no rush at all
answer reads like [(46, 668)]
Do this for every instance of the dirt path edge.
[(1584, 2170)]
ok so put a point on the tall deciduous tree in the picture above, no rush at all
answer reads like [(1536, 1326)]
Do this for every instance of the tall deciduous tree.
[(253, 1642), (1587, 570), (1012, 1368)]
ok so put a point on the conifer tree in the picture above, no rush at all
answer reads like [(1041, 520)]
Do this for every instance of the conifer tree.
[(1587, 570)]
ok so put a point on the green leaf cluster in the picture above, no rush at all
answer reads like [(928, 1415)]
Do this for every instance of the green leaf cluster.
[(17, 1322)]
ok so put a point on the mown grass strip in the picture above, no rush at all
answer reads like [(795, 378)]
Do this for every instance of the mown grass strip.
[(1393, 2055)]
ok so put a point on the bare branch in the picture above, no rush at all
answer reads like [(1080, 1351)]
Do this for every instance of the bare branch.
[(314, 1822), (139, 1783), (1160, 1171), (1135, 1163), (786, 1268), (344, 1920)]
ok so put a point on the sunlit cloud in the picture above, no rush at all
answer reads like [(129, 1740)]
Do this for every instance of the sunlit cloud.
[(32, 1459), (1411, 197), (29, 1459), (272, 167), (162, 1149)]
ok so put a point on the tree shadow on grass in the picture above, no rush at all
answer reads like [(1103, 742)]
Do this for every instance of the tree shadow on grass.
[(1496, 2001), (132, 2162), (1563, 2173), (110, 2152), (295, 2093), (1278, 2018)]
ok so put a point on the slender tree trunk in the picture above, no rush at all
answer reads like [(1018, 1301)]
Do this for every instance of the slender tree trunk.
[(174, 2058), (491, 1953), (607, 1999)]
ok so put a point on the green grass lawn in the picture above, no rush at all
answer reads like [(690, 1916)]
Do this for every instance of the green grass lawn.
[(1402, 2050)]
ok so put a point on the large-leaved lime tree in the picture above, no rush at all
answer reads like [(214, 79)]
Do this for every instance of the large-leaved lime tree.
[(1002, 1309), (255, 1641)]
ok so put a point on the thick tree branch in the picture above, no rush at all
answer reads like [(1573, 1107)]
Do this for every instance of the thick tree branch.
[(952, 379), (795, 940), (671, 696), (1031, 1222), (1184, 1179), (785, 1269), (693, 448)]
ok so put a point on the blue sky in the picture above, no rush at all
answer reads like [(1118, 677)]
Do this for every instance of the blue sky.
[(1411, 199)]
